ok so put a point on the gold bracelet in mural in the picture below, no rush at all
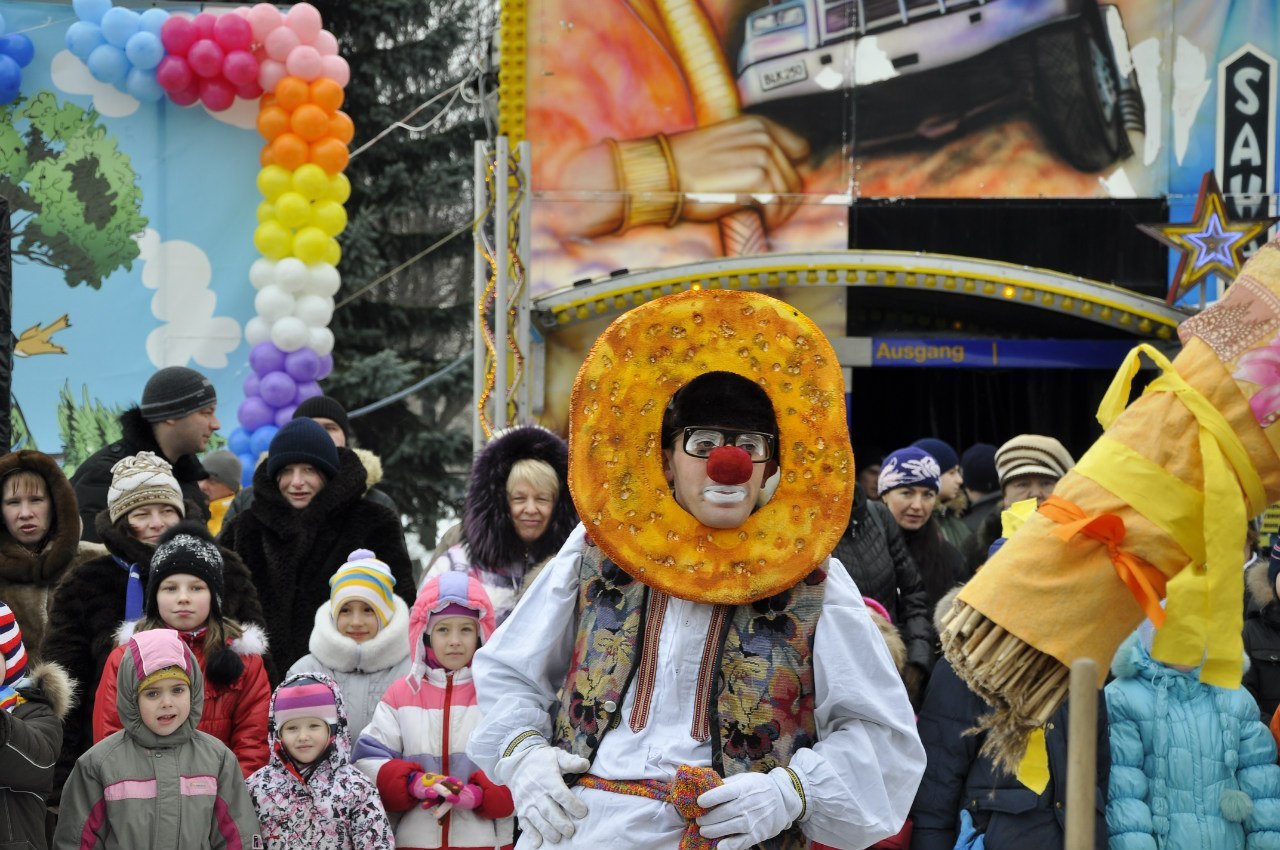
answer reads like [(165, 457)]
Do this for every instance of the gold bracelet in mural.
[(648, 179), (675, 180), (616, 152)]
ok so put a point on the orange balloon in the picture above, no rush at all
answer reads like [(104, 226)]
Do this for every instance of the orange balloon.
[(327, 94), (291, 92), (267, 99), (290, 151), (272, 121), (342, 128), (310, 122), (330, 154), (267, 157)]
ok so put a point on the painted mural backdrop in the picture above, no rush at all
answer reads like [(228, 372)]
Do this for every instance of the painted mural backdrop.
[(133, 227), (775, 116)]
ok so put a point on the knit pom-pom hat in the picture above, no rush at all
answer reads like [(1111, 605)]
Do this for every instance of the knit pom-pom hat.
[(366, 578), (142, 479)]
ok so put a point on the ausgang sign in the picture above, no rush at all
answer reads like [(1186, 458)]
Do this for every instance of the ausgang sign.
[(1246, 133)]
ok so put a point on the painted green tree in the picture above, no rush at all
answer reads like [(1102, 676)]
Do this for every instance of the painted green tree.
[(72, 194), (85, 426)]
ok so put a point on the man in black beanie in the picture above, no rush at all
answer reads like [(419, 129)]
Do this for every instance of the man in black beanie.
[(175, 420)]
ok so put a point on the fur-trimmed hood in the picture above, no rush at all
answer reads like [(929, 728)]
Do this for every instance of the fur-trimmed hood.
[(372, 467), (944, 605), (486, 518), (50, 683), (338, 652), (1260, 590), (17, 562), (893, 640)]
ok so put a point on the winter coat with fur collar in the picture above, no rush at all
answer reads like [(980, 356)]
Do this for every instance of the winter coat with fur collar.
[(30, 737), (235, 712), (1262, 641), (27, 578), (92, 479), (363, 671), (88, 605), (292, 553)]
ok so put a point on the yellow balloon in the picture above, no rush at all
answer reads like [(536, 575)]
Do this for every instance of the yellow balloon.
[(311, 181), (329, 216), (273, 180), (333, 254), (272, 240), (293, 210), (310, 244), (266, 212), (339, 188)]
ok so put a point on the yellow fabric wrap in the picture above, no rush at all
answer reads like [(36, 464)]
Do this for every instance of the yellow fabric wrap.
[(1170, 485)]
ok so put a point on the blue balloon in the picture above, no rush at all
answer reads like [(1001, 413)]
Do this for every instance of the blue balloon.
[(2, 23), (142, 85), (18, 48), (10, 80), (238, 441), (247, 462), (82, 38), (108, 64), (91, 10), (118, 24), (144, 50), (152, 20), (260, 441)]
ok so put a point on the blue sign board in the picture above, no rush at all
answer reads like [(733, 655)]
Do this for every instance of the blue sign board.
[(999, 353)]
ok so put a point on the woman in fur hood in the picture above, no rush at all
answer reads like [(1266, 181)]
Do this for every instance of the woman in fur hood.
[(516, 517), (39, 541)]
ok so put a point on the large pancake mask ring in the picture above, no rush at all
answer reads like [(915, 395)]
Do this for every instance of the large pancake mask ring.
[(615, 452)]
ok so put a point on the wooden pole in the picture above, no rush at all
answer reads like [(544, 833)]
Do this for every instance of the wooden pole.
[(1082, 755)]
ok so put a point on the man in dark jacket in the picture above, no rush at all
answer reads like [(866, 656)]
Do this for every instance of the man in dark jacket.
[(875, 554), (175, 420)]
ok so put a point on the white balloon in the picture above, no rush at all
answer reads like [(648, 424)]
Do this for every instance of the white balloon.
[(273, 303), (262, 272), (257, 330), (324, 279), (315, 310), (321, 341), (290, 333), (291, 274)]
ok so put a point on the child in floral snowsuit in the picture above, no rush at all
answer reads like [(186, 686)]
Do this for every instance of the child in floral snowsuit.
[(309, 795)]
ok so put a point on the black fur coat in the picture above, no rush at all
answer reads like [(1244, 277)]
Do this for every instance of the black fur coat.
[(293, 553)]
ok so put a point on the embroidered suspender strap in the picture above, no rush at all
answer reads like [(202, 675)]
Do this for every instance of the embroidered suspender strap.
[(648, 672), (683, 793), (701, 729)]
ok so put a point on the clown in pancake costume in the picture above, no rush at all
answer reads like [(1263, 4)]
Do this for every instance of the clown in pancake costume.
[(693, 667)]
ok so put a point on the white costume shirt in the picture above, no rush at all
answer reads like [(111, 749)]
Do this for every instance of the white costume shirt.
[(859, 779)]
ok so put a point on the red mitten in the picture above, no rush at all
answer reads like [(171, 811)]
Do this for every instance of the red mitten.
[(495, 800), (393, 785)]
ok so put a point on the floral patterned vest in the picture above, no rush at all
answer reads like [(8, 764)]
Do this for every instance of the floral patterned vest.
[(758, 659)]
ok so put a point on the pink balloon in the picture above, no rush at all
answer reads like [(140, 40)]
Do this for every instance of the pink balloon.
[(232, 32), (250, 91), (205, 58), (326, 43), (177, 35), (304, 19), (173, 74), (204, 25), (240, 68), (242, 11), (270, 73), (264, 18), (217, 94), (188, 95), (305, 62), (280, 42), (336, 69)]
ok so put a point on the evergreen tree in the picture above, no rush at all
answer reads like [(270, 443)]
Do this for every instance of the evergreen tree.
[(409, 190)]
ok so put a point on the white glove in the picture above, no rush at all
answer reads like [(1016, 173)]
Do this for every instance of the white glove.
[(544, 804), (749, 808)]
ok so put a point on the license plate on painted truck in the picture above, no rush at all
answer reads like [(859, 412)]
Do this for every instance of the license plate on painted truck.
[(784, 76)]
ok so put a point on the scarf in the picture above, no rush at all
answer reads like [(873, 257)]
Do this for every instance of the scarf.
[(9, 696), (134, 594)]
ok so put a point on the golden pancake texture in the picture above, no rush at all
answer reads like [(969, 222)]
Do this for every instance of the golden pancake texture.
[(615, 452)]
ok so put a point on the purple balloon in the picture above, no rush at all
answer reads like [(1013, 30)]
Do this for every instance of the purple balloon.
[(251, 389), (285, 414), (302, 365), (310, 389), (326, 367), (254, 413), (265, 357), (278, 389)]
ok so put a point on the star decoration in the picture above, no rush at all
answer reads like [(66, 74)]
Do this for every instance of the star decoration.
[(1211, 243)]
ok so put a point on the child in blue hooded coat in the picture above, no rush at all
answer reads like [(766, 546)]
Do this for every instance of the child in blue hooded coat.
[(1191, 764)]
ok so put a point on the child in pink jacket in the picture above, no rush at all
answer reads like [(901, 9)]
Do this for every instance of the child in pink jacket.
[(429, 714)]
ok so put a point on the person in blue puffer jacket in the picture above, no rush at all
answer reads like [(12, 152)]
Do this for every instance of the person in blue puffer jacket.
[(1191, 764)]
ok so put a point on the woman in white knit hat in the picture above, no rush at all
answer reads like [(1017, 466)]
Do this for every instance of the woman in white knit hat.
[(95, 597), (361, 636)]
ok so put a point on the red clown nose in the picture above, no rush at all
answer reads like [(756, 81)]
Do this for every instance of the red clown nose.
[(729, 465)]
